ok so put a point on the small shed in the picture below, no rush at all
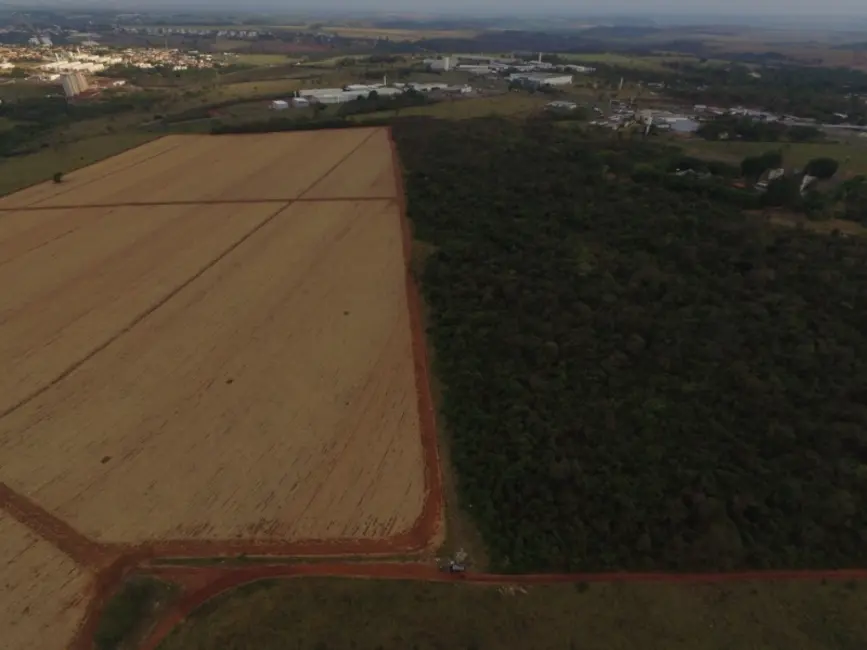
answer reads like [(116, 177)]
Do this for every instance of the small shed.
[(279, 105)]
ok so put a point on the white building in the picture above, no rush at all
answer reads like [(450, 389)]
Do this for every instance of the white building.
[(73, 66), (424, 88), (583, 69), (319, 92), (538, 80), (644, 117), (73, 84), (279, 105), (774, 174), (366, 88), (443, 64), (476, 69), (388, 92)]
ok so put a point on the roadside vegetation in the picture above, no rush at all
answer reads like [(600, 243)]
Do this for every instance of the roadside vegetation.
[(129, 612), (379, 615)]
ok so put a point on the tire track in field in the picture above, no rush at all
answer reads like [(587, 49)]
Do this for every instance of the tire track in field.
[(142, 316), (66, 233), (151, 204), (84, 551)]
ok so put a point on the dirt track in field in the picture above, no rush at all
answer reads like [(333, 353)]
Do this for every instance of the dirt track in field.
[(212, 347), (44, 591)]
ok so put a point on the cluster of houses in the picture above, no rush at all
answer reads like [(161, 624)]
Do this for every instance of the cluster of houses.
[(239, 34)]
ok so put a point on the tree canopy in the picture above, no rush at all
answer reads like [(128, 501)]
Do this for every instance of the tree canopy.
[(822, 167), (636, 375)]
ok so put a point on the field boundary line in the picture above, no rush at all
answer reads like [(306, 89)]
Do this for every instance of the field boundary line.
[(107, 174), (50, 528), (143, 315), (430, 522), (153, 204), (342, 160)]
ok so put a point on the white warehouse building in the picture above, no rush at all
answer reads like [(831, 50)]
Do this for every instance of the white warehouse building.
[(540, 79), (443, 64), (73, 84), (339, 96)]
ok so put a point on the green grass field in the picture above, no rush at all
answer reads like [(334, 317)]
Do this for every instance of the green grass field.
[(852, 157), (250, 89), (334, 614), (262, 59), (21, 171), (26, 90)]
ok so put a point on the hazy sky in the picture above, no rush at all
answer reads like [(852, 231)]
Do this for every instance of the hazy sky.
[(825, 8)]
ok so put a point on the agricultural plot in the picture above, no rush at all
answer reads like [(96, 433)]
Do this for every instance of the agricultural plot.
[(206, 376), (97, 271), (44, 592), (204, 169)]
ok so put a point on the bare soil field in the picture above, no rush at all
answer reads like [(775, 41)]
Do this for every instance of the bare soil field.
[(368, 172), (203, 169), (44, 592), (234, 372), (274, 393), (73, 278), (196, 369)]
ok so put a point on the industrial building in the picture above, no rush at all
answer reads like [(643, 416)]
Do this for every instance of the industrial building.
[(478, 69), (73, 84), (562, 106), (421, 87), (442, 64), (537, 80), (346, 94), (583, 69)]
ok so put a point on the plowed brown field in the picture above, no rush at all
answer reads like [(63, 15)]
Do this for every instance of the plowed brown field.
[(210, 347), (74, 278), (225, 168), (44, 592), (271, 398)]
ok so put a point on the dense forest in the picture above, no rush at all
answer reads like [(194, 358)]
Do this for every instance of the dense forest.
[(636, 374), (830, 95)]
